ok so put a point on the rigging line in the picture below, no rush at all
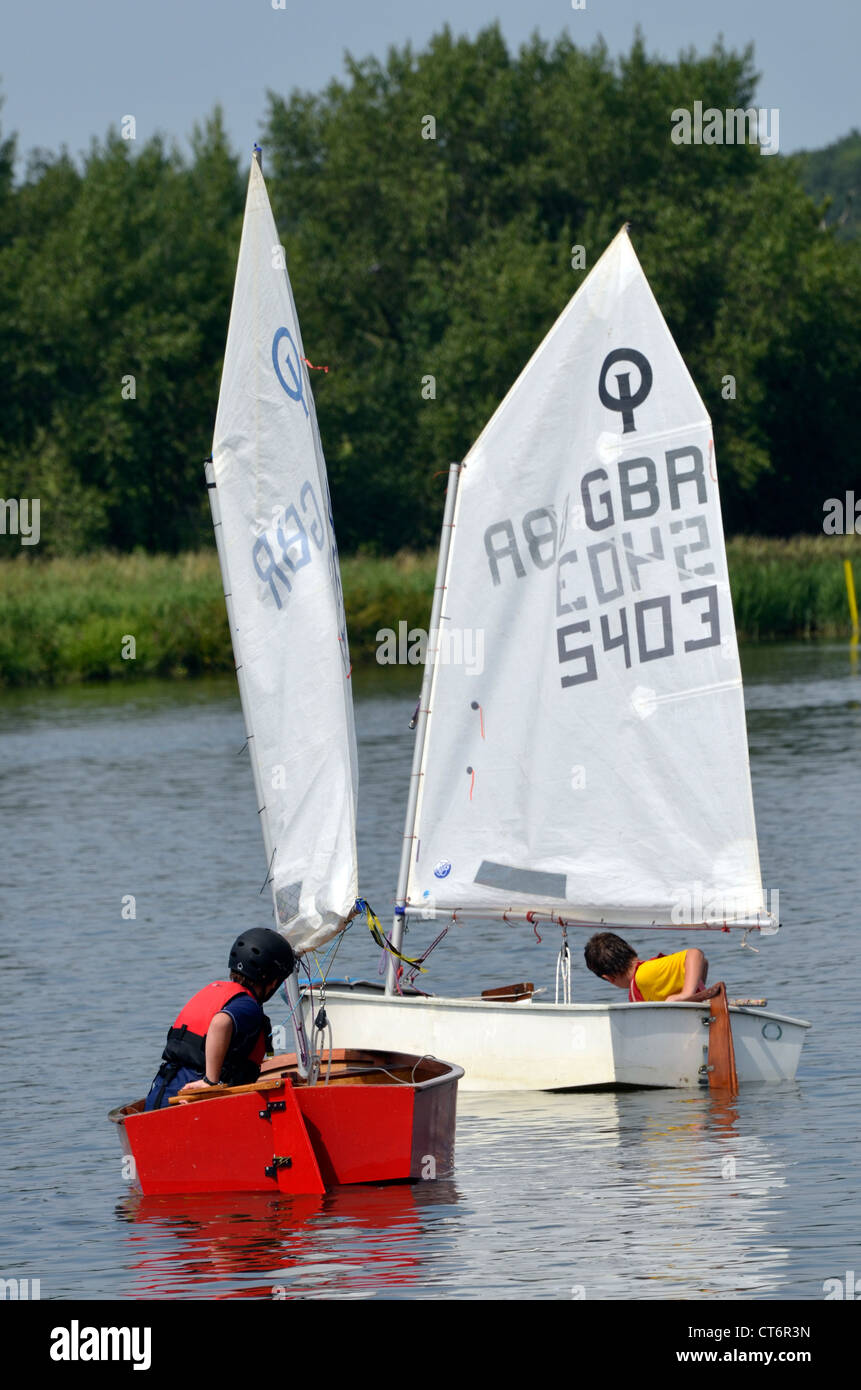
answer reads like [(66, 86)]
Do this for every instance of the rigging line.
[(322, 979), (320, 1045), (291, 1011), (268, 879), (400, 1080), (320, 1024), (420, 960), (329, 960), (339, 941), (563, 970), (291, 1016), (426, 1057), (530, 917)]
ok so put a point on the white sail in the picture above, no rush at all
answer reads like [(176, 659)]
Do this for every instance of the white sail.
[(281, 578), (586, 753)]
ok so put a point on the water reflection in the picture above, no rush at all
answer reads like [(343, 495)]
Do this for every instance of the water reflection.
[(654, 1194), (351, 1242)]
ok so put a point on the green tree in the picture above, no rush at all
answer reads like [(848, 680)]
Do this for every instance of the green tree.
[(114, 297), (833, 176), (429, 203), (451, 257)]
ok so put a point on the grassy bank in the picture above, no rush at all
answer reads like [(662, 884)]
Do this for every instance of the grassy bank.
[(792, 588), (66, 620)]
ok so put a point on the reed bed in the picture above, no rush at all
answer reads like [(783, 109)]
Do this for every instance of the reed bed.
[(70, 620)]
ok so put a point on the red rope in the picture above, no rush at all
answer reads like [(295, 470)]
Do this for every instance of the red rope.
[(530, 917)]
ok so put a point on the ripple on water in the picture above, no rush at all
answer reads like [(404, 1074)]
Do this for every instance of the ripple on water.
[(642, 1194)]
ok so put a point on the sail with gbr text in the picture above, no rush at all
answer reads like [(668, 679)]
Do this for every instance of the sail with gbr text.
[(594, 765), (282, 582)]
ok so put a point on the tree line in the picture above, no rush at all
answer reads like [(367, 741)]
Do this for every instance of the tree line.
[(429, 204)]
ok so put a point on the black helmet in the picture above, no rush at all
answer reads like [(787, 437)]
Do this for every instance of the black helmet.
[(260, 954)]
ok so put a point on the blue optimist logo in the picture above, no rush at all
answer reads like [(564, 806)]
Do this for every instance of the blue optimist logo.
[(442, 869), (292, 366)]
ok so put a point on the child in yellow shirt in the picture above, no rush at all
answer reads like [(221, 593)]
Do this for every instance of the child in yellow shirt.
[(665, 979)]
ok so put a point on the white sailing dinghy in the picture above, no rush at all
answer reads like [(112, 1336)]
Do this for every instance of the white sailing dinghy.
[(595, 772)]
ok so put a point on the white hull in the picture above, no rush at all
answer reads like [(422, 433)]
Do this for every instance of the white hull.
[(550, 1047)]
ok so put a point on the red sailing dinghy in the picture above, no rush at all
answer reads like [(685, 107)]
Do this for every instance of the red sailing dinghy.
[(348, 1117), (382, 1117)]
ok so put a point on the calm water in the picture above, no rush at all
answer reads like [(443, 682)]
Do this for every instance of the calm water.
[(111, 792)]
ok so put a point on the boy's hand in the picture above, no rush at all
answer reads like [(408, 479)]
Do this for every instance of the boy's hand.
[(195, 1086), (696, 998), (702, 994)]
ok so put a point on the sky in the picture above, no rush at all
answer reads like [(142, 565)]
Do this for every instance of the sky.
[(70, 71)]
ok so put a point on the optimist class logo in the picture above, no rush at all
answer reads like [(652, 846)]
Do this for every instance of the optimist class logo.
[(442, 869), (293, 368)]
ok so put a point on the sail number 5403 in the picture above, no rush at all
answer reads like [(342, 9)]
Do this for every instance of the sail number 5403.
[(646, 633)]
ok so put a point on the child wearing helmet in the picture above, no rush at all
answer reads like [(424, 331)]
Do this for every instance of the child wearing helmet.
[(221, 1035)]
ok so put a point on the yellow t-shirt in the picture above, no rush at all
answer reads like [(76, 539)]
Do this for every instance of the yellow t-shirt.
[(656, 979)]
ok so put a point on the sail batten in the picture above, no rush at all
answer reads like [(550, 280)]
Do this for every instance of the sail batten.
[(279, 560), (595, 767)]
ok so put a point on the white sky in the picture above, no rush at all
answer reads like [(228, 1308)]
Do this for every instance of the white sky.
[(70, 70)]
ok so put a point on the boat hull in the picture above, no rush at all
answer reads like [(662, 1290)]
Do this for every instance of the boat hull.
[(383, 1117), (561, 1047)]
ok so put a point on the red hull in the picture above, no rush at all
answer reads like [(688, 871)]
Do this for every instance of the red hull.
[(372, 1123)]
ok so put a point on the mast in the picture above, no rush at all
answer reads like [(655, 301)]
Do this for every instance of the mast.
[(241, 676), (421, 729)]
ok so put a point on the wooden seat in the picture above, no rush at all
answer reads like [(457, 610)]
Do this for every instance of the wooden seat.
[(511, 993)]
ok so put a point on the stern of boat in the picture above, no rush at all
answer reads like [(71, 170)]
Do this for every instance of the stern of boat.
[(668, 1044)]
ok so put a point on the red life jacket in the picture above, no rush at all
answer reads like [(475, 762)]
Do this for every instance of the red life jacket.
[(186, 1040), (634, 995)]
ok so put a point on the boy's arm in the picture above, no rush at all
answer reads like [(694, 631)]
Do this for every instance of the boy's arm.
[(217, 1042), (696, 969)]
